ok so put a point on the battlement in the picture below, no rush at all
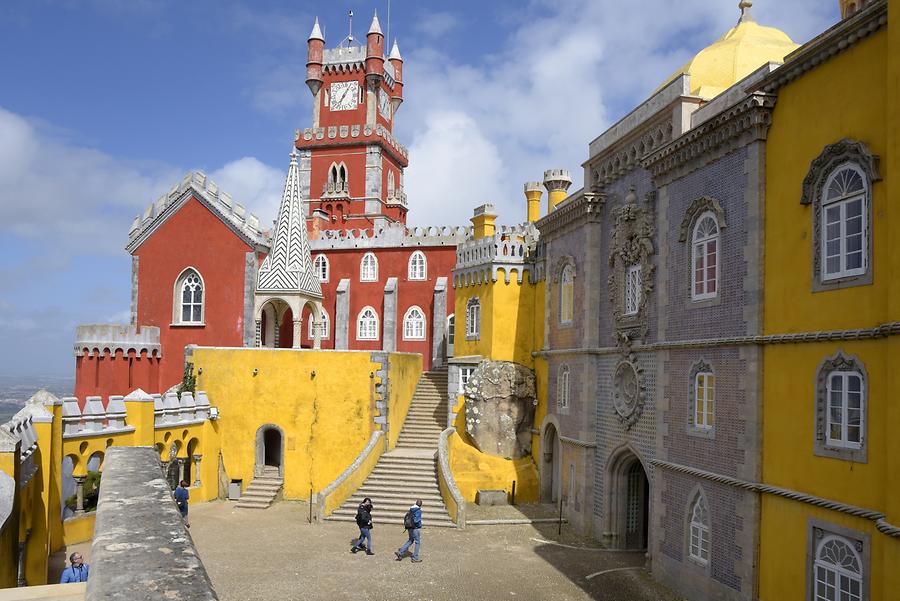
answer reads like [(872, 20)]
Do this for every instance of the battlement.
[(352, 58), (351, 132), (511, 244), (109, 338), (391, 235), (207, 191)]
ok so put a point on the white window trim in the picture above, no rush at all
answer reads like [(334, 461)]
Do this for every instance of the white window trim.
[(177, 298), (843, 272), (694, 244), (709, 415), (362, 271), (359, 332), (410, 270), (839, 571), (326, 329), (567, 295), (406, 321), (465, 372), (634, 269), (324, 260), (843, 442), (562, 387), (473, 323), (696, 530)]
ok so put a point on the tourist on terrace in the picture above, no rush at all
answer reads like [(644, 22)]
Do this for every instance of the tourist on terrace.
[(412, 522), (181, 499), (77, 572), (364, 521)]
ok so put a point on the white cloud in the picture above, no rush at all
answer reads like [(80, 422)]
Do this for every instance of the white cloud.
[(257, 185), (436, 24)]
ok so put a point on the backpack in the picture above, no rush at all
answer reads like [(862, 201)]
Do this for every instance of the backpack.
[(361, 519), (408, 521)]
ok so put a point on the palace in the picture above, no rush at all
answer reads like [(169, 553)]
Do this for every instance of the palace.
[(693, 355)]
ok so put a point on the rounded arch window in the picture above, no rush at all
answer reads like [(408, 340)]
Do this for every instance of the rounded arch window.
[(567, 295), (189, 298), (417, 266), (705, 257), (414, 324), (837, 570), (368, 268), (844, 215), (699, 534), (367, 324), (322, 326), (321, 268)]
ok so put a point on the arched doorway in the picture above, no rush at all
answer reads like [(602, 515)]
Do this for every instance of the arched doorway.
[(269, 449), (550, 466), (628, 514)]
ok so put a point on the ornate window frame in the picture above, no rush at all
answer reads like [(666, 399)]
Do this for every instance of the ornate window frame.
[(368, 268), (361, 333), (631, 246), (409, 326), (839, 362), (322, 267), (696, 527), (565, 276), (830, 160), (473, 318), (700, 367), (698, 210), (820, 532), (563, 388), (417, 268), (178, 299)]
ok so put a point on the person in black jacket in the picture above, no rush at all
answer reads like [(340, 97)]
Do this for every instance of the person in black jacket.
[(364, 521)]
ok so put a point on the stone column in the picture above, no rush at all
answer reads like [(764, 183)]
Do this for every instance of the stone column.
[(389, 319), (342, 316), (180, 469), (79, 494), (439, 340), (317, 331), (298, 323), (258, 341), (197, 459)]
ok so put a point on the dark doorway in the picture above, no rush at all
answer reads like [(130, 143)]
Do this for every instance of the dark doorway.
[(272, 442), (637, 507)]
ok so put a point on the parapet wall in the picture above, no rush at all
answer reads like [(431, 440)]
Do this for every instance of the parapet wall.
[(391, 236), (110, 338)]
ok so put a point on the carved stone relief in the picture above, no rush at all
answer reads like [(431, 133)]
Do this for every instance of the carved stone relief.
[(632, 245)]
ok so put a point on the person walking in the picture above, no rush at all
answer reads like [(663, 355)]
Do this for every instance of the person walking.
[(364, 521), (181, 499), (412, 522), (77, 572)]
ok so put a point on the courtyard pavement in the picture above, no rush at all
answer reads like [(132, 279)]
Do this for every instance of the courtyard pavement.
[(276, 554)]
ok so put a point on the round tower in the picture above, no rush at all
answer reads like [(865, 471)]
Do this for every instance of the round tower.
[(397, 64), (533, 193), (315, 48), (374, 53), (557, 182)]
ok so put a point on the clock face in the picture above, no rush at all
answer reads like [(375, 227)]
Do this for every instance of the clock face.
[(344, 95), (384, 104)]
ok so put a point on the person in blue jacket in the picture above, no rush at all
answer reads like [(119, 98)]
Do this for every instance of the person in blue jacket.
[(77, 572), (412, 522), (181, 499)]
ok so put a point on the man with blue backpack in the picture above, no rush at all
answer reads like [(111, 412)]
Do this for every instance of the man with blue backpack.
[(412, 523)]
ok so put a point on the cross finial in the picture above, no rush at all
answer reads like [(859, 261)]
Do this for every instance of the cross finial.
[(745, 6), (350, 37)]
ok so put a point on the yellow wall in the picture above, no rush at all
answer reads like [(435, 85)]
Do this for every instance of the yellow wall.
[(811, 113), (349, 486), (326, 418), (404, 370), (473, 471)]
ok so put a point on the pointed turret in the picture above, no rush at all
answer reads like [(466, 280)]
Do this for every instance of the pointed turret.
[(374, 53), (397, 64), (315, 48)]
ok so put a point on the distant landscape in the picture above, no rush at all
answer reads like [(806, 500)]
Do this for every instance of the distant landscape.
[(15, 390)]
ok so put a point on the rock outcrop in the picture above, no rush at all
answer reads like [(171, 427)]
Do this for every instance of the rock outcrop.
[(500, 401)]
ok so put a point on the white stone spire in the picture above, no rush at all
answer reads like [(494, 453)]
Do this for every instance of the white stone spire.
[(316, 32), (376, 26), (288, 267), (395, 52)]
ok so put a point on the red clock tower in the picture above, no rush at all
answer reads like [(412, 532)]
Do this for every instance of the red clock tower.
[(349, 159)]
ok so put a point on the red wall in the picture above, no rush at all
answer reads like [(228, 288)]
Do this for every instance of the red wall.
[(192, 237), (105, 373)]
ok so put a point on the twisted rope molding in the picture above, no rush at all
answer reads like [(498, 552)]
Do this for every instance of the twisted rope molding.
[(577, 443), (881, 523), (881, 331)]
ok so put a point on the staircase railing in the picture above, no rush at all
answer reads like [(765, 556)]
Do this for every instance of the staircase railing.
[(334, 495), (453, 499)]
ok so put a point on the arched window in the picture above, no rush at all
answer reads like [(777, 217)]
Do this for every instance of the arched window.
[(844, 212), (633, 290), (414, 324), (473, 319), (567, 295), (390, 184), (705, 258), (841, 399), (368, 268), (451, 328), (837, 571), (320, 266), (337, 180), (367, 324), (323, 327), (562, 387), (417, 269), (704, 400), (698, 547), (189, 298)]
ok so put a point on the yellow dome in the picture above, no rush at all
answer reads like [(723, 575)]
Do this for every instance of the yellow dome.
[(742, 50)]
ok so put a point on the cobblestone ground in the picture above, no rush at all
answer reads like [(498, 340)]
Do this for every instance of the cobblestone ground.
[(275, 554)]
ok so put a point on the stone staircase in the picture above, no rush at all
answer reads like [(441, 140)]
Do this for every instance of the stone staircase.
[(409, 472), (263, 490)]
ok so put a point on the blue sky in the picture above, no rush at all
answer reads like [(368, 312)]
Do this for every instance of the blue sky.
[(105, 104)]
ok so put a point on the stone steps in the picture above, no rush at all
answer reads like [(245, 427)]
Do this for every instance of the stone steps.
[(262, 491)]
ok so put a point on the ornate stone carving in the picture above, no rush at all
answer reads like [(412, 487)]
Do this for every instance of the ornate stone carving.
[(632, 244), (628, 392), (561, 263), (845, 151), (500, 401), (697, 208), (838, 362)]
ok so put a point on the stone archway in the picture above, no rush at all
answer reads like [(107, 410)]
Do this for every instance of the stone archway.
[(551, 451), (628, 502), (269, 449)]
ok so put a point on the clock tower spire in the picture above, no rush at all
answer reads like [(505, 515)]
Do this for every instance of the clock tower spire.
[(351, 164)]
